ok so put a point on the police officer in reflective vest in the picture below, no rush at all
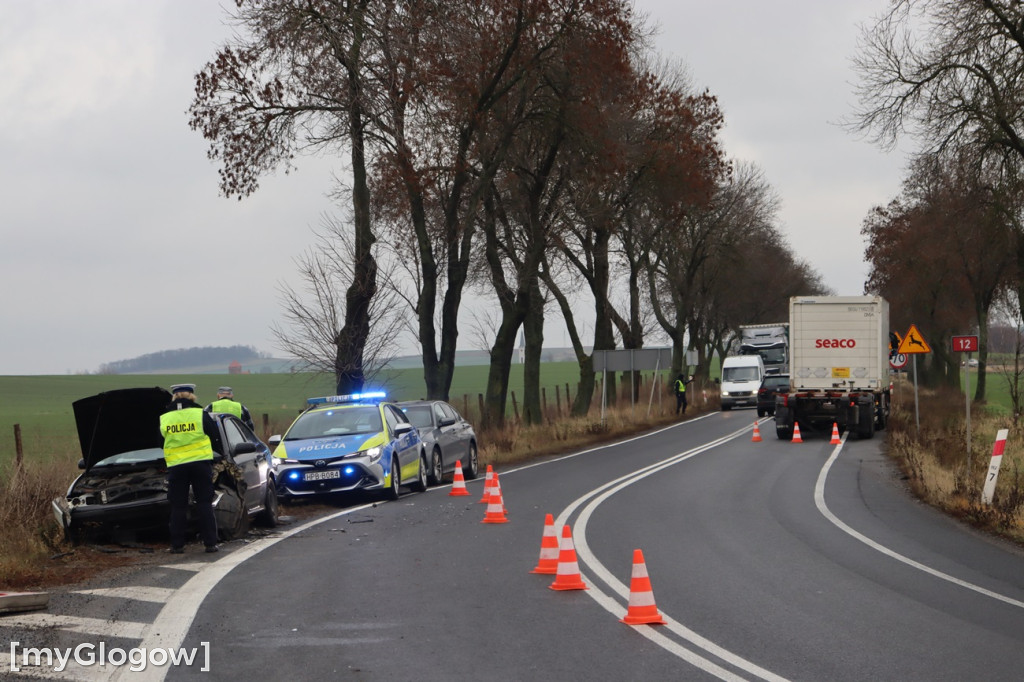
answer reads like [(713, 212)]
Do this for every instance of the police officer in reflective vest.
[(226, 403), (680, 387), (190, 438)]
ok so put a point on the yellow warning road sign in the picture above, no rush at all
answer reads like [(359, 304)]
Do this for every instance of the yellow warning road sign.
[(913, 342)]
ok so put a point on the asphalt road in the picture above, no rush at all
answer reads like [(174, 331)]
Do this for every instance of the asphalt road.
[(769, 560)]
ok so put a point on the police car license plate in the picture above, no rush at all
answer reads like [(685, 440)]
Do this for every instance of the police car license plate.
[(321, 475)]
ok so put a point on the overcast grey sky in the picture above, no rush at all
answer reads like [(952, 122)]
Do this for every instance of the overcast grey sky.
[(109, 208)]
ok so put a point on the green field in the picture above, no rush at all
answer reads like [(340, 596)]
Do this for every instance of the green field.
[(41, 405)]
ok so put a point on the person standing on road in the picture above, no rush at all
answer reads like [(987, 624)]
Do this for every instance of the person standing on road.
[(226, 403), (190, 438), (680, 388)]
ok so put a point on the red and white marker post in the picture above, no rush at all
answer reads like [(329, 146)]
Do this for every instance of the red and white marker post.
[(993, 468)]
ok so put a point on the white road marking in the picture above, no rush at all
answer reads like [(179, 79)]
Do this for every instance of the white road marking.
[(819, 500), (89, 626), (172, 624), (194, 566), (587, 558), (158, 595)]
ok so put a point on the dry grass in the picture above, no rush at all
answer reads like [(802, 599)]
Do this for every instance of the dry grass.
[(34, 554), (32, 548), (939, 471)]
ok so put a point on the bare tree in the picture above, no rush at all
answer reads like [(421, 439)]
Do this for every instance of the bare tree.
[(314, 316), (948, 71)]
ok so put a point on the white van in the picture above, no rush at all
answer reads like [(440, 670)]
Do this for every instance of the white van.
[(741, 377)]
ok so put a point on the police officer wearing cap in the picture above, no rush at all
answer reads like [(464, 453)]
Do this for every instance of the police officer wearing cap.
[(190, 438), (226, 403)]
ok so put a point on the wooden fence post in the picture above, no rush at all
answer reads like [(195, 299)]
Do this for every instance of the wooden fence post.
[(558, 401), (483, 414), (266, 426), (465, 405), (19, 454), (515, 405), (544, 404)]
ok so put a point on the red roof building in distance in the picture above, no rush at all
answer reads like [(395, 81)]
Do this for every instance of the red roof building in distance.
[(235, 367)]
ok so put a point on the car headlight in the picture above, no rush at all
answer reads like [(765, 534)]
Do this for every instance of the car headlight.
[(373, 454), (725, 392)]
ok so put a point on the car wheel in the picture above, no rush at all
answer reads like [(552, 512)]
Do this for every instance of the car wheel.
[(436, 467), (232, 520), (760, 412), (268, 517), (396, 480), (472, 468), (421, 480)]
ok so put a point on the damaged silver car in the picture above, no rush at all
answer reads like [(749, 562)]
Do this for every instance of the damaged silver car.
[(123, 486)]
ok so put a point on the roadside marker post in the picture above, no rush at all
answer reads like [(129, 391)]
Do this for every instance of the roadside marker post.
[(993, 468)]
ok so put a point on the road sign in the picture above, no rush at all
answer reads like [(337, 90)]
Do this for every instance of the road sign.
[(965, 344), (913, 342), (898, 361)]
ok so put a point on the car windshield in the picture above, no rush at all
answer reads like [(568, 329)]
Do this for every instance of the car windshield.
[(419, 415), (773, 356), (740, 373), (776, 382), (338, 421), (132, 457)]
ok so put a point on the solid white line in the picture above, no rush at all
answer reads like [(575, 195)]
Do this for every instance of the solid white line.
[(172, 624), (89, 626), (587, 558), (819, 500), (159, 595), (194, 566)]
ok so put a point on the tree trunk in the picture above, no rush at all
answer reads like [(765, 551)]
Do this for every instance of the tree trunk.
[(533, 330), (351, 340)]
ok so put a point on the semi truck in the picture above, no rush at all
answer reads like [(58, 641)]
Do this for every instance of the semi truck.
[(770, 341), (838, 366)]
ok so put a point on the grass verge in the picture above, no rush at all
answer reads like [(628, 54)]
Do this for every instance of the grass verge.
[(942, 471)]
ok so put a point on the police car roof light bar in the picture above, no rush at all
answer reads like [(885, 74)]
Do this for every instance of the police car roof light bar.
[(349, 398)]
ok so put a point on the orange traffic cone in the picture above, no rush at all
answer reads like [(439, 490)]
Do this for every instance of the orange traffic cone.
[(496, 488), (642, 610), (488, 482), (757, 434), (567, 577), (835, 435), (494, 513), (548, 562), (459, 482), (796, 433)]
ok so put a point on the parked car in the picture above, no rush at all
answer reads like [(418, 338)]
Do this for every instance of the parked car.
[(772, 384), (123, 484), (447, 437), (349, 443)]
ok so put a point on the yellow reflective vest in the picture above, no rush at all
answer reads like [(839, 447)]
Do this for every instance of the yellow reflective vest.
[(227, 406), (680, 386), (184, 440)]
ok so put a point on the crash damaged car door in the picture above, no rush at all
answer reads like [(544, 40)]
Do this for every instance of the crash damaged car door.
[(249, 457)]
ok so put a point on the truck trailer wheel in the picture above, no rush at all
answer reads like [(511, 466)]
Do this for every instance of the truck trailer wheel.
[(783, 429), (866, 428)]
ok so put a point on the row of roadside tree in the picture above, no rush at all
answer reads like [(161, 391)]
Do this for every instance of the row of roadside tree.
[(534, 152)]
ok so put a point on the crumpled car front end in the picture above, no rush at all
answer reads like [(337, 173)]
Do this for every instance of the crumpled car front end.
[(115, 496)]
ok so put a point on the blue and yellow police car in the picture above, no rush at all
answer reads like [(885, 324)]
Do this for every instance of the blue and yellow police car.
[(348, 443)]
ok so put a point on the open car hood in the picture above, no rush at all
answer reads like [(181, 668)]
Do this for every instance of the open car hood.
[(119, 421)]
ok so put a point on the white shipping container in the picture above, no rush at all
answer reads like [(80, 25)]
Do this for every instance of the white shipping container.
[(839, 343)]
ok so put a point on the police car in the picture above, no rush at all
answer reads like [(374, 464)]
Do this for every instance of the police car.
[(348, 443)]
